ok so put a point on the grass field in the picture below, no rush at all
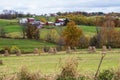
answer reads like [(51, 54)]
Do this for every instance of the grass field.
[(10, 25), (51, 63), (24, 44), (13, 26), (88, 30), (4, 22)]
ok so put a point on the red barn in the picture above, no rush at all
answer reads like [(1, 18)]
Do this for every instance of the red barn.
[(30, 19), (59, 22)]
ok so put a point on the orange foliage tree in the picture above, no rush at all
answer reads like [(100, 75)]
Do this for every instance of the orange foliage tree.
[(43, 20), (108, 34), (72, 34)]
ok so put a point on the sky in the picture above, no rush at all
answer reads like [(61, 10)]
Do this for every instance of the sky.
[(53, 6)]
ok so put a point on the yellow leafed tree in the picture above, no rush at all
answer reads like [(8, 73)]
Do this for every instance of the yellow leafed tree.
[(72, 34)]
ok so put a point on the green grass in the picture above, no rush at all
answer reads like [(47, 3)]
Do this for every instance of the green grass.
[(5, 22), (50, 63), (24, 44), (88, 30), (44, 32), (13, 28), (10, 25), (91, 29)]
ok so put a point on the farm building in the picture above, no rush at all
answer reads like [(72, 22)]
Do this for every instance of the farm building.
[(50, 23), (32, 21), (26, 20), (59, 22)]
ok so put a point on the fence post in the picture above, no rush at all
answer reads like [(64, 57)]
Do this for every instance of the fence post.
[(102, 57)]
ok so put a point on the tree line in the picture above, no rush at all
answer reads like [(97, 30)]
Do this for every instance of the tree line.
[(98, 20), (107, 35), (12, 14)]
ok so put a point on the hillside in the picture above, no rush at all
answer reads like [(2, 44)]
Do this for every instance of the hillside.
[(14, 30), (24, 44)]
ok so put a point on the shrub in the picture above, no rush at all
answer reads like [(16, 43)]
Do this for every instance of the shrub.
[(14, 35), (117, 75), (94, 41), (2, 32), (61, 41), (69, 70), (6, 48), (2, 51), (46, 49), (14, 49), (23, 74), (51, 36), (106, 75), (84, 42), (9, 77), (60, 48), (106, 37), (35, 76)]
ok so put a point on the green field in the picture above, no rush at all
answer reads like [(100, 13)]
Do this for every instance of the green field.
[(4, 22), (11, 26), (51, 63), (88, 30), (24, 44), (14, 30)]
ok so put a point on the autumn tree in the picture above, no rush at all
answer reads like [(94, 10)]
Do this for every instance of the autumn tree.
[(51, 36), (32, 32), (42, 19), (108, 34), (108, 27), (83, 42), (72, 34)]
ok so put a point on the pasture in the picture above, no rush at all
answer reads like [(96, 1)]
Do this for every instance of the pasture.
[(24, 44), (11, 26), (49, 63)]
